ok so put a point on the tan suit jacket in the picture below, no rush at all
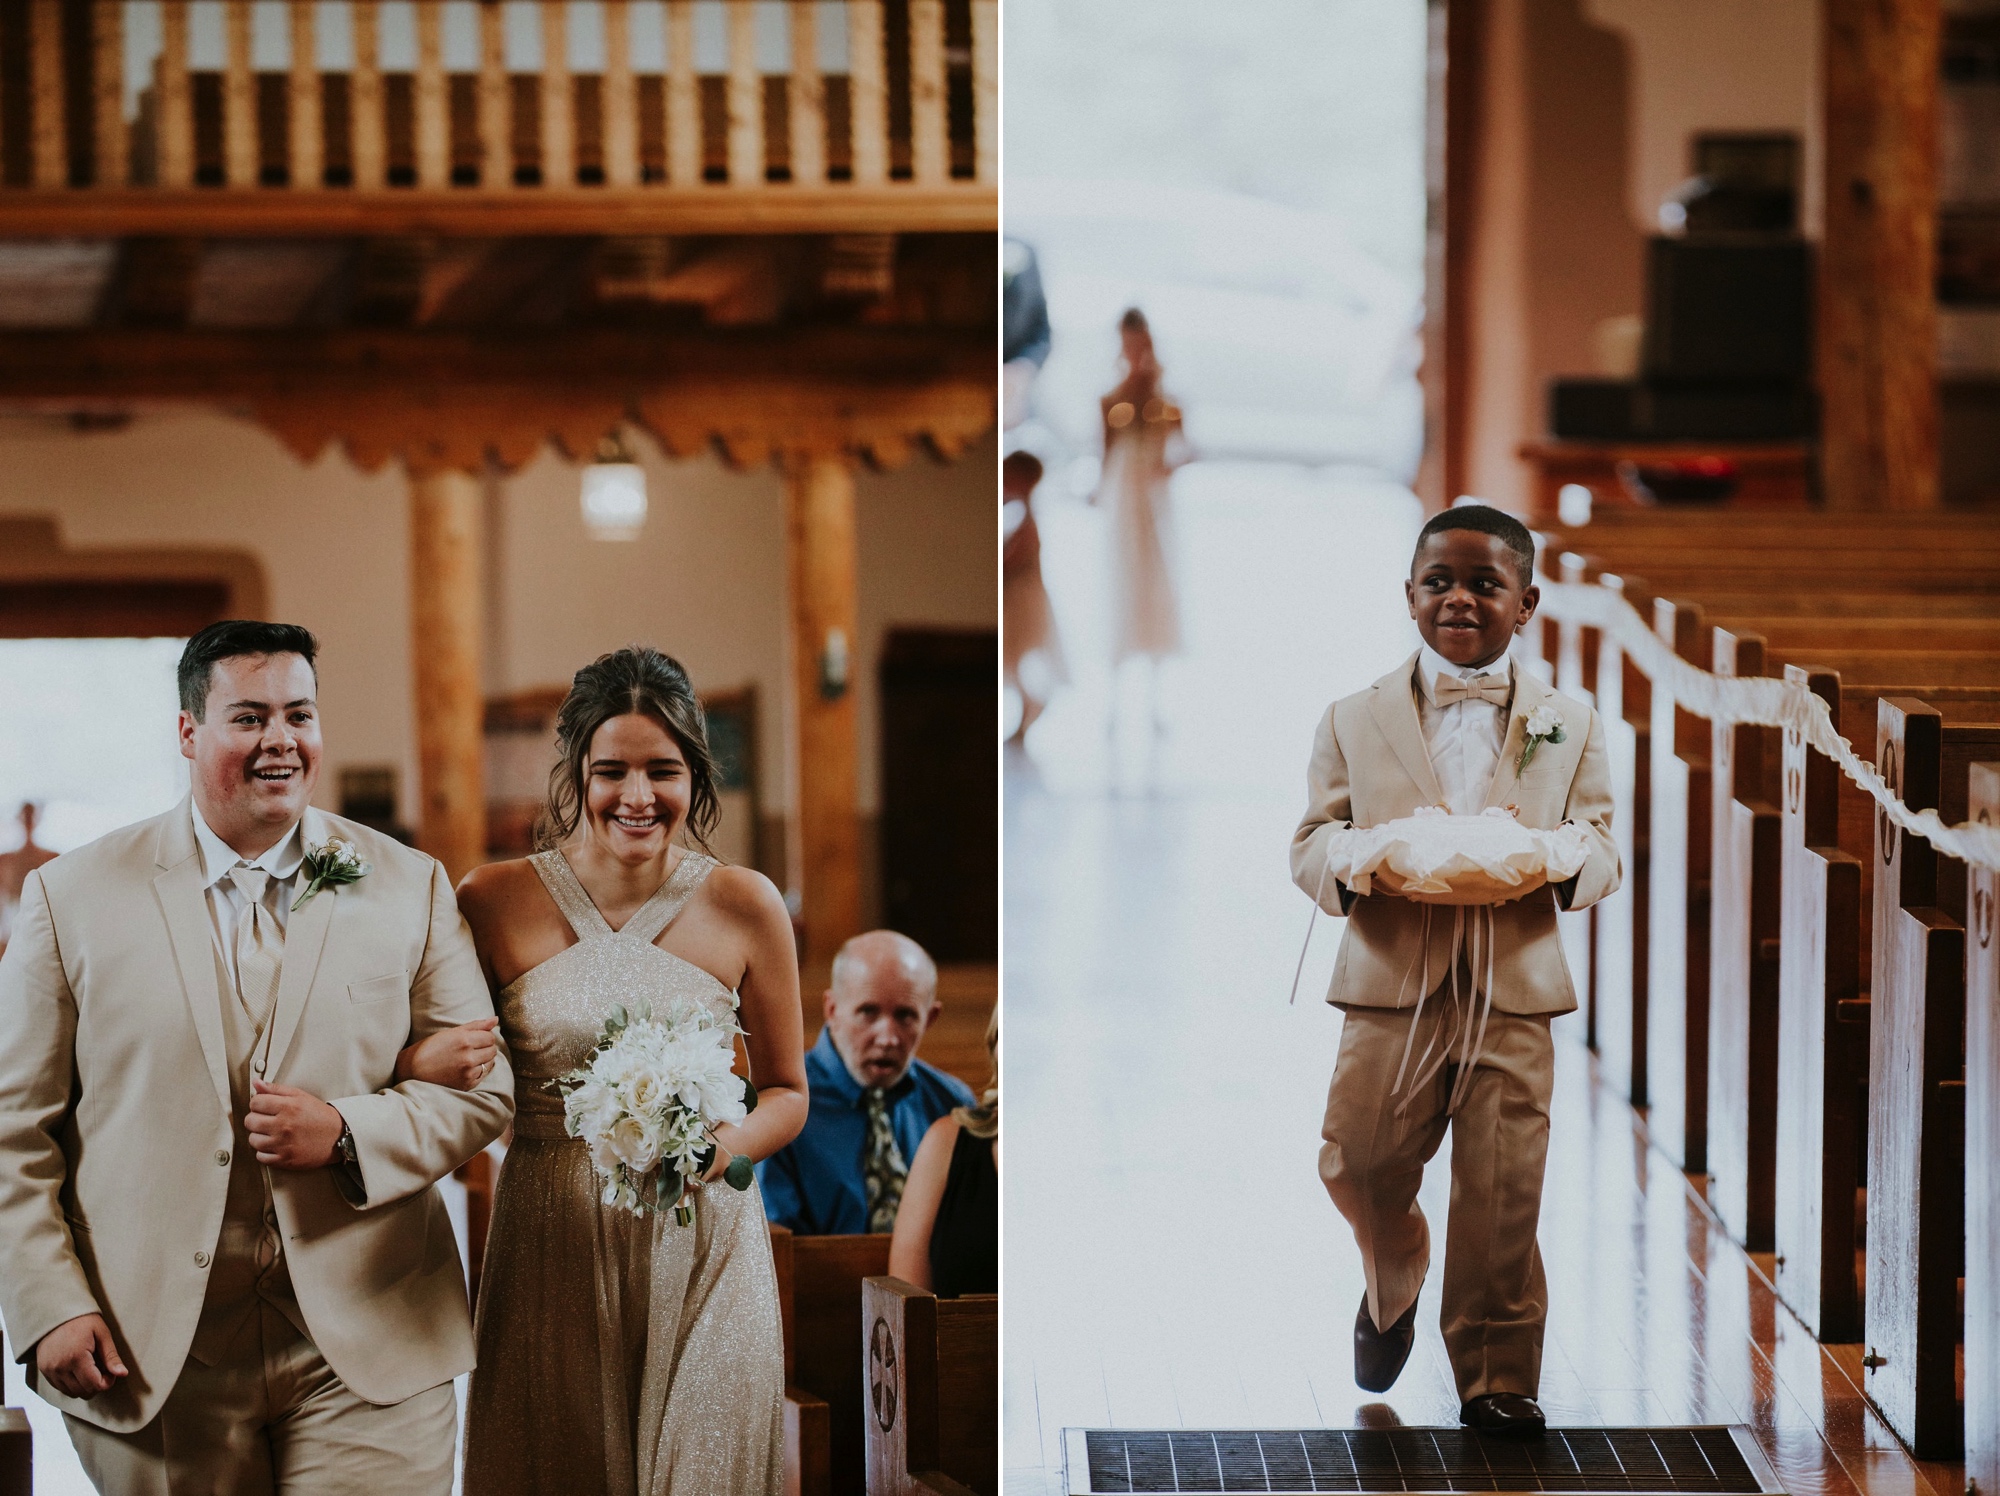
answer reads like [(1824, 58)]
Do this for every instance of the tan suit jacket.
[(1370, 765), (115, 1111)]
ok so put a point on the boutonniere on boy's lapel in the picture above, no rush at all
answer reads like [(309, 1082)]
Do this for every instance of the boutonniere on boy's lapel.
[(331, 863), (1544, 725)]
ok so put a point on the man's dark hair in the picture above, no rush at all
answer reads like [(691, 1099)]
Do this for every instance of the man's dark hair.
[(230, 638), (1487, 521)]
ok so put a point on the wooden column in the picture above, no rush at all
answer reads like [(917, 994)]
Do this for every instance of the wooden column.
[(239, 100), (1877, 302), (113, 168), (808, 97), (176, 149), (50, 152), (446, 613), (825, 836), (306, 140)]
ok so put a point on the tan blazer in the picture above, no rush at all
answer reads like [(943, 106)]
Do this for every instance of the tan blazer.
[(115, 1124), (1370, 765)]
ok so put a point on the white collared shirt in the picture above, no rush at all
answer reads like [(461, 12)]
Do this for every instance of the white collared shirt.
[(1465, 738), (226, 905)]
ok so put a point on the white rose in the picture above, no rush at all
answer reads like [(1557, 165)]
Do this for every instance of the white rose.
[(633, 1144), (643, 1091)]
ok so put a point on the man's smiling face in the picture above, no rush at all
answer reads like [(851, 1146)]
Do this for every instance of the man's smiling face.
[(255, 749), (1468, 596)]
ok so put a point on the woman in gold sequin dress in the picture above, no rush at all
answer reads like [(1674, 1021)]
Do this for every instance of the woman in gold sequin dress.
[(1143, 444), (622, 1355)]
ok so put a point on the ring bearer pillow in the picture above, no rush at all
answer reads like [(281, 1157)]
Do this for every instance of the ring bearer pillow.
[(1435, 857)]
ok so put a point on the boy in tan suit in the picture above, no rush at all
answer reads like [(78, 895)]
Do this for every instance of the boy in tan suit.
[(1448, 727), (221, 1254)]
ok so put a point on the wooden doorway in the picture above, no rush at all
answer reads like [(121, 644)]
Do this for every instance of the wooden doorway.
[(940, 784)]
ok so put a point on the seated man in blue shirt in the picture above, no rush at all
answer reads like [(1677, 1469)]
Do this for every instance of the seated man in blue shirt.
[(872, 1098)]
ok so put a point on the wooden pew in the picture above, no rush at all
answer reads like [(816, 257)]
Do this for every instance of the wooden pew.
[(819, 1298), (1822, 1041), (1678, 852), (933, 1391), (1746, 854), (1916, 1085), (17, 1453), (1982, 1153)]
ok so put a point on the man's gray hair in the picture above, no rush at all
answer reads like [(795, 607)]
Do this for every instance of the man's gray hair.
[(864, 958)]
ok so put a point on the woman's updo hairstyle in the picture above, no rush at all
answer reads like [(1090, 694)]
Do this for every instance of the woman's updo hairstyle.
[(641, 680)]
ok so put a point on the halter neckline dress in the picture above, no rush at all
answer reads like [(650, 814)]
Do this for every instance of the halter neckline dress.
[(619, 1355)]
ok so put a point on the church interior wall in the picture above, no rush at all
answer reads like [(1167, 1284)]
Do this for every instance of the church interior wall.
[(705, 580), (1586, 124)]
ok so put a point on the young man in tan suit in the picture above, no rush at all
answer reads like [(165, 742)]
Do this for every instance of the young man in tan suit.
[(1447, 727), (221, 1252)]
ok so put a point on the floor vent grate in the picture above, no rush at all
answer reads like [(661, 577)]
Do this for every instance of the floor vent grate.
[(1711, 1461)]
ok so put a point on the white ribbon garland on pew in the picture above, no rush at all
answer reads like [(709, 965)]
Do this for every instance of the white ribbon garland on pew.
[(1760, 701)]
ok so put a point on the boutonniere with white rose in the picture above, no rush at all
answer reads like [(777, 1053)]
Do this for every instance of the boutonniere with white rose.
[(330, 864), (1544, 725)]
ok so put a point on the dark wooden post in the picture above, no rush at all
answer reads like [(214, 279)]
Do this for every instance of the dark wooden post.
[(1743, 964), (1877, 301), (1982, 1153), (1677, 948), (1916, 1089), (1822, 1041)]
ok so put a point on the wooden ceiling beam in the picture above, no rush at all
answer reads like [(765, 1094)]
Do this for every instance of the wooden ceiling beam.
[(470, 213), (440, 400)]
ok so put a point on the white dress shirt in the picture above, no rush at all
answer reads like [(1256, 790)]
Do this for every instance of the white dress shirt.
[(226, 904), (1465, 738)]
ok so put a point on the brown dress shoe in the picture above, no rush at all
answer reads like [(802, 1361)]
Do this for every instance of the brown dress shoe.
[(1503, 1413), (1379, 1355)]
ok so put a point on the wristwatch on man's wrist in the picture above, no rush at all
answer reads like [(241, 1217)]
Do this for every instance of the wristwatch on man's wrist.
[(343, 1149)]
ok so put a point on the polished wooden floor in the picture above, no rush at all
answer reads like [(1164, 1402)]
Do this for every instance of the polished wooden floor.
[(1171, 1259)]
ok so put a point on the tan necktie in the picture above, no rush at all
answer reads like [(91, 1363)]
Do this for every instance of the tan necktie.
[(1449, 689), (260, 947)]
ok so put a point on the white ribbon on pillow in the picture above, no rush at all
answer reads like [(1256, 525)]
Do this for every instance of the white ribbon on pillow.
[(1473, 862)]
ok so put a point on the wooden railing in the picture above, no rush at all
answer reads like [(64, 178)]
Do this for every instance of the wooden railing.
[(186, 115)]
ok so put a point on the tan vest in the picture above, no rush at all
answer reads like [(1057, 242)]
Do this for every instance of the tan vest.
[(249, 1264)]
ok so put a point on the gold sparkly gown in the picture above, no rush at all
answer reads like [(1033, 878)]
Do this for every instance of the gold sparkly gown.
[(619, 1355)]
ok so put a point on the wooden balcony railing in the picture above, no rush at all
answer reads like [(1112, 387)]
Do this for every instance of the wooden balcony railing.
[(219, 116)]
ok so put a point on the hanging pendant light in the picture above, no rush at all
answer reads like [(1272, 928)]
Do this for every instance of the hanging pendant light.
[(614, 492)]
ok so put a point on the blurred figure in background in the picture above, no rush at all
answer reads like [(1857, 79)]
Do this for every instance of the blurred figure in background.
[(1143, 444), (1031, 650), (17, 864), (948, 1230), (1024, 329)]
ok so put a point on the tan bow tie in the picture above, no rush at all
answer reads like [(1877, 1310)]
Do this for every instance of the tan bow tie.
[(1449, 689)]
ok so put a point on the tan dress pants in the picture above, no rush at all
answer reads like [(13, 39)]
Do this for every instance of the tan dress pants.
[(273, 1418), (1495, 1297)]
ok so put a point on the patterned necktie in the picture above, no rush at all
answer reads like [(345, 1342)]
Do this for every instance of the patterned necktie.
[(882, 1167), (260, 946), (1493, 688)]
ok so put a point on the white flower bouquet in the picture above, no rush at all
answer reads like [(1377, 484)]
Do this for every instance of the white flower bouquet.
[(1435, 857), (648, 1101)]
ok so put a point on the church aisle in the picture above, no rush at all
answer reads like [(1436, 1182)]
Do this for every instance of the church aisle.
[(1172, 1259)]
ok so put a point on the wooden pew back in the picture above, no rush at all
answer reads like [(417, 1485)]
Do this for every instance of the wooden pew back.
[(819, 1297), (1822, 1041), (17, 1453), (933, 1393), (1982, 1151), (1916, 1087)]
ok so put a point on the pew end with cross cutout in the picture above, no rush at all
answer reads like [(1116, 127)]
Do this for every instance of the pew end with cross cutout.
[(819, 1298), (933, 1391)]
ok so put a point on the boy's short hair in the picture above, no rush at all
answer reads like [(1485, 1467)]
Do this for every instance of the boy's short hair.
[(1487, 520)]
